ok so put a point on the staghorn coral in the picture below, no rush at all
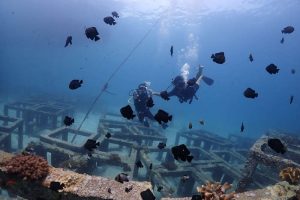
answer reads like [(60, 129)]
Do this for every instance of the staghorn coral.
[(27, 166), (215, 191), (290, 174)]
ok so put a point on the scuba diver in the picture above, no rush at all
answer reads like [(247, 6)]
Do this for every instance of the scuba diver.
[(186, 90), (142, 98)]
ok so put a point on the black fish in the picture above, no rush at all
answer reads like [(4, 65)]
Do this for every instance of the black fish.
[(127, 112), (68, 41), (190, 125), (109, 20), (109, 190), (171, 50), (55, 186), (293, 71), (68, 121), (74, 84), (277, 145), (122, 177), (139, 164), (147, 195), (272, 69), (291, 99), (242, 127), (150, 103), (161, 145), (162, 116), (250, 93), (218, 57), (128, 189), (196, 197), (91, 144), (160, 188), (115, 14), (282, 40), (150, 167), (108, 135), (181, 152), (92, 33), (251, 58), (288, 29)]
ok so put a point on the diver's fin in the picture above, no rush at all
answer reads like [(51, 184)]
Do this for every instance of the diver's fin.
[(207, 80)]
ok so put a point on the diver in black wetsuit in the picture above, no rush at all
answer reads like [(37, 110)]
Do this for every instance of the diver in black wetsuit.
[(186, 90), (142, 97)]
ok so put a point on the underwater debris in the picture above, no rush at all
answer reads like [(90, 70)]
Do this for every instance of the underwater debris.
[(214, 191), (29, 167), (290, 174)]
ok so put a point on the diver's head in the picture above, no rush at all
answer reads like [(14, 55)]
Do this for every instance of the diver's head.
[(178, 82)]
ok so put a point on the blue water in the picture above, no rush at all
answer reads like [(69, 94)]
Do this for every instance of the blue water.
[(33, 59)]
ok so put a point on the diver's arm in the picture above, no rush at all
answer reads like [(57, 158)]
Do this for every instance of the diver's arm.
[(156, 93)]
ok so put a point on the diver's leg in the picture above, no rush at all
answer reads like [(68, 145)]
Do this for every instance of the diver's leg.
[(199, 73)]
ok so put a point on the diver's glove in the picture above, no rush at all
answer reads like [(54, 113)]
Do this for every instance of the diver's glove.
[(164, 95)]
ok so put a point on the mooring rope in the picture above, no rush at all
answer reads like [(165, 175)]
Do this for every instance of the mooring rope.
[(113, 74)]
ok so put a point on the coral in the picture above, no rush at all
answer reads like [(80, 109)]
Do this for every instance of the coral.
[(215, 191), (27, 166), (284, 190), (290, 174)]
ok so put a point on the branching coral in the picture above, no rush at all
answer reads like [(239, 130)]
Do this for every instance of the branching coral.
[(291, 175), (27, 166), (215, 191)]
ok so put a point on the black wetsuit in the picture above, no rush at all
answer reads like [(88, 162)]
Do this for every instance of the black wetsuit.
[(185, 93), (141, 97)]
